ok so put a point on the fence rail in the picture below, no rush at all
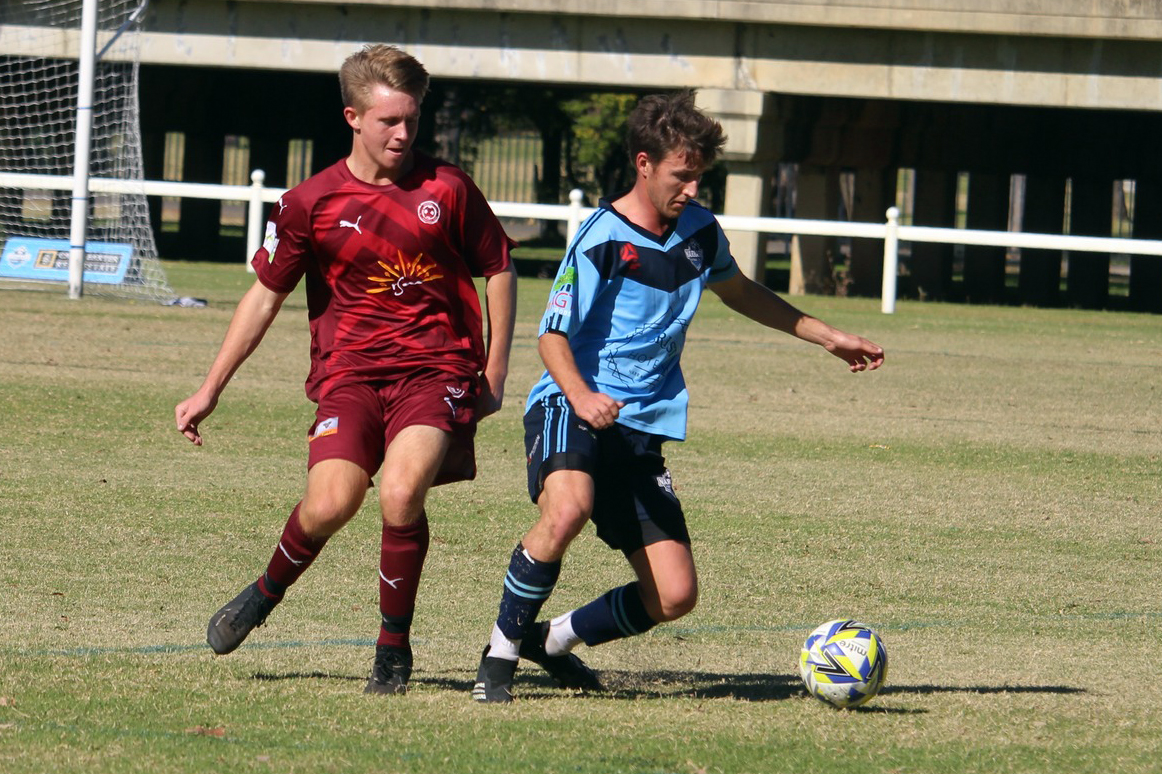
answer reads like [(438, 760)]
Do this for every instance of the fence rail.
[(890, 232)]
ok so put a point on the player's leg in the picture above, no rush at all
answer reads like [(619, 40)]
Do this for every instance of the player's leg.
[(429, 423), (335, 490), (637, 512), (409, 468), (345, 448), (560, 450)]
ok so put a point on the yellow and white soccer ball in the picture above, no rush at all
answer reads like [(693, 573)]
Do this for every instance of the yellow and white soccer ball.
[(843, 663)]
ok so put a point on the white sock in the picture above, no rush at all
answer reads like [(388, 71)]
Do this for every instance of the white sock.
[(562, 638), (503, 647)]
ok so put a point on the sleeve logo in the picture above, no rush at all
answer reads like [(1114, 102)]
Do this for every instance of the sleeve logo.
[(270, 241)]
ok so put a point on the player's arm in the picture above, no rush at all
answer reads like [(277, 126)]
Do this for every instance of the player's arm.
[(500, 299), (762, 305), (596, 408), (251, 319)]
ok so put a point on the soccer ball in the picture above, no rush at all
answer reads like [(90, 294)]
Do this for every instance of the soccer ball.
[(843, 663)]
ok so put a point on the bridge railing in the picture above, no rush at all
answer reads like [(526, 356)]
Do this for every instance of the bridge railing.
[(890, 232)]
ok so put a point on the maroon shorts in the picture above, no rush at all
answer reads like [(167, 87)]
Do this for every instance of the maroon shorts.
[(357, 421)]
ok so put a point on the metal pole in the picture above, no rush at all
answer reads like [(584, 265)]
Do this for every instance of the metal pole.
[(79, 220)]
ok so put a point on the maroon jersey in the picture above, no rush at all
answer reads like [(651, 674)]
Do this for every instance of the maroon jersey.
[(389, 270)]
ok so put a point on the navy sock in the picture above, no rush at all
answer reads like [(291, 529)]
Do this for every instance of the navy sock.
[(526, 587), (616, 614)]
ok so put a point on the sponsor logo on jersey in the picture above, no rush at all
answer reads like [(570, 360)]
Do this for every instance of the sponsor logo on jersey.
[(406, 273), (630, 257), (349, 224), (428, 212), (281, 206), (693, 252), (328, 426), (270, 241)]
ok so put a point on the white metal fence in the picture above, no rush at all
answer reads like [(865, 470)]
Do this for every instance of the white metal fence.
[(890, 232)]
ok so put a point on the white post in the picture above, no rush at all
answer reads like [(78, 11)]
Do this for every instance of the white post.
[(574, 221), (254, 217), (891, 261), (79, 216)]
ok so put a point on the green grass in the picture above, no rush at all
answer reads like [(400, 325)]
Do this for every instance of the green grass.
[(988, 501)]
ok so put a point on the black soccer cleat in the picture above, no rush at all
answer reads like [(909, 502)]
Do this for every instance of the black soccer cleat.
[(494, 679), (567, 670), (391, 671), (231, 625)]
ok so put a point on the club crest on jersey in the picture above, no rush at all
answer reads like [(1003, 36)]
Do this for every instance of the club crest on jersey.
[(428, 212), (693, 252), (328, 426), (270, 241), (405, 274)]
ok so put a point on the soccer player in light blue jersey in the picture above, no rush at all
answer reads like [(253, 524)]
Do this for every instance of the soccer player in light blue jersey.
[(611, 339)]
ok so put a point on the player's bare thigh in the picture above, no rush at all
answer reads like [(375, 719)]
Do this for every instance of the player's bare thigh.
[(566, 502), (410, 465)]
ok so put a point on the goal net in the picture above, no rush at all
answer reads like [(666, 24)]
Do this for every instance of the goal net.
[(38, 95)]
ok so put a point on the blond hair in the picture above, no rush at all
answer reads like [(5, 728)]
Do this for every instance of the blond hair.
[(380, 65)]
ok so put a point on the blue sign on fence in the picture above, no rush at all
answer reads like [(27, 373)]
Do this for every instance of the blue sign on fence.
[(30, 258)]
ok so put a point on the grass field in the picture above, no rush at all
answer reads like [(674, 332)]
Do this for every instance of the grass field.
[(989, 501)]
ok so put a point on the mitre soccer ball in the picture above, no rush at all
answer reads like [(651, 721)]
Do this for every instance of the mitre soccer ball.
[(843, 663)]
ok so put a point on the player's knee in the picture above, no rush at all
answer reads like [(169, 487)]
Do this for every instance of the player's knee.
[(675, 601), (565, 521), (401, 504), (323, 515)]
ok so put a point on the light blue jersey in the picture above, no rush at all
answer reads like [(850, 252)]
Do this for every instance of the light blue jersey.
[(624, 298)]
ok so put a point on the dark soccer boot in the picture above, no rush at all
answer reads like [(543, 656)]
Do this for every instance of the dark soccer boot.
[(494, 679), (567, 670), (391, 671), (230, 625)]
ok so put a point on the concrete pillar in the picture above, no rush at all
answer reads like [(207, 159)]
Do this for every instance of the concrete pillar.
[(988, 210), (754, 144), (871, 201), (1146, 270), (934, 205), (1039, 282), (1090, 214), (748, 190), (813, 258)]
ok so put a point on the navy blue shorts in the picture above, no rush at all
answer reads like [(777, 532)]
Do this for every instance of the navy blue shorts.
[(634, 501)]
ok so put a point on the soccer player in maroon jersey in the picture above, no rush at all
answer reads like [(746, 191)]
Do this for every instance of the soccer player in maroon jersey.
[(388, 240)]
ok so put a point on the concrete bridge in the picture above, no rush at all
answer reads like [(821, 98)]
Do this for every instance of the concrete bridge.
[(1050, 90)]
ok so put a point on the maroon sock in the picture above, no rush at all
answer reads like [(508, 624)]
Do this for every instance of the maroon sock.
[(292, 557), (401, 560)]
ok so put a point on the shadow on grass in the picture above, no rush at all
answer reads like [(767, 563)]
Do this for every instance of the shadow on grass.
[(664, 684)]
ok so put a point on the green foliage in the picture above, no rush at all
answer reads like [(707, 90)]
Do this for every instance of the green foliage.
[(597, 158), (988, 501)]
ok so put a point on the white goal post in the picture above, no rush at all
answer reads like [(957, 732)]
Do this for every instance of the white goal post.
[(57, 120)]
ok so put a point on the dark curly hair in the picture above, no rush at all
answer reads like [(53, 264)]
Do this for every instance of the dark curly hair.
[(664, 123)]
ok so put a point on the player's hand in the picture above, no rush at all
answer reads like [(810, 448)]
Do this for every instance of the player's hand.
[(491, 396), (596, 408), (190, 412), (859, 353)]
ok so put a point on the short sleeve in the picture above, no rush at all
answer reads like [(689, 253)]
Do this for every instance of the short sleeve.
[(286, 248), (723, 267), (487, 249)]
